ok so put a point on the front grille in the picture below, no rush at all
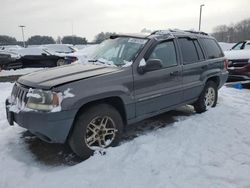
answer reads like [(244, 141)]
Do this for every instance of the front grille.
[(19, 95)]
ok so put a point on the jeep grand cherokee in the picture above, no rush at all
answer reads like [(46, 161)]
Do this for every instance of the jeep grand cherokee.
[(88, 106)]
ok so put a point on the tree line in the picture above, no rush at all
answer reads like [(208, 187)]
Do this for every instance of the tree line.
[(234, 32), (39, 40)]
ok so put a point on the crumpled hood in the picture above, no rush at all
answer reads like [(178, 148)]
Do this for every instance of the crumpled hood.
[(237, 54), (48, 78)]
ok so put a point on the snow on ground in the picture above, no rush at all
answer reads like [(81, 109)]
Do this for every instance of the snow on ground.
[(209, 150), (18, 71)]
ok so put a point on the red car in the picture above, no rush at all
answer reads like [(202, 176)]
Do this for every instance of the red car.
[(239, 61)]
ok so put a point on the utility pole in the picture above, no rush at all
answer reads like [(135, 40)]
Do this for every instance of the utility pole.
[(200, 16), (22, 28)]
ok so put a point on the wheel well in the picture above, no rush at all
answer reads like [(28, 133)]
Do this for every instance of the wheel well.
[(116, 102), (215, 79)]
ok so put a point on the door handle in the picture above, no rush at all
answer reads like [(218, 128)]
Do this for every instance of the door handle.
[(174, 73)]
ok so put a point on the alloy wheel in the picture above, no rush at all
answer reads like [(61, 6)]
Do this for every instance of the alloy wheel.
[(101, 131), (210, 97)]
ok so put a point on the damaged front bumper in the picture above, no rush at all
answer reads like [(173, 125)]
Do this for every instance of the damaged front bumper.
[(50, 127)]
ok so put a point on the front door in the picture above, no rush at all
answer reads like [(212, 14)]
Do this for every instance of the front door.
[(156, 90)]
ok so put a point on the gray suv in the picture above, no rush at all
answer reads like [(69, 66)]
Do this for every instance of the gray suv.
[(88, 105)]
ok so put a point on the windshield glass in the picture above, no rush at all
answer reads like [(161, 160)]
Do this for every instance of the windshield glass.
[(118, 51)]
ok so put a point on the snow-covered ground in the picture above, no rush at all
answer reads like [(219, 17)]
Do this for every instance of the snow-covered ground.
[(180, 149), (18, 71)]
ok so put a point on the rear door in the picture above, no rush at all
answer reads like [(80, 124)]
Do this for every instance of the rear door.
[(193, 67), (159, 89)]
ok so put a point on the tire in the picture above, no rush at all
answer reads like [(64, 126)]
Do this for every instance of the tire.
[(88, 134), (208, 97), (60, 62)]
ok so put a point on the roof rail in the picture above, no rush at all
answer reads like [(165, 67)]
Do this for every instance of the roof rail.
[(171, 31), (196, 32)]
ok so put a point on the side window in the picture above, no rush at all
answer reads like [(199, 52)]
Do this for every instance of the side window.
[(166, 53), (247, 46), (188, 50), (198, 48), (212, 48)]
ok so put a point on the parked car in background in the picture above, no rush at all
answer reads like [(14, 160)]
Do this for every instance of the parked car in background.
[(239, 61), (129, 78), (5, 59), (243, 45), (60, 48), (40, 56)]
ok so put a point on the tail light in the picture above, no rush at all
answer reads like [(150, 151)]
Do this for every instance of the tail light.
[(225, 64)]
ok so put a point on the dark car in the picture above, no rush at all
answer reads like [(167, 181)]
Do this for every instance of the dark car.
[(88, 106), (5, 59), (34, 57)]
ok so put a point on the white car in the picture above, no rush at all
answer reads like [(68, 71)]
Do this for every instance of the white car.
[(243, 45)]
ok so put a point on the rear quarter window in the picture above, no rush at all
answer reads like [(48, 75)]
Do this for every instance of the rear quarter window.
[(212, 48)]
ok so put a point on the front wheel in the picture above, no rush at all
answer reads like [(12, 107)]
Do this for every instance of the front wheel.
[(208, 97), (96, 128)]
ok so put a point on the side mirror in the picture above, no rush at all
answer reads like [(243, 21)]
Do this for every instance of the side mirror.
[(150, 65), (43, 54)]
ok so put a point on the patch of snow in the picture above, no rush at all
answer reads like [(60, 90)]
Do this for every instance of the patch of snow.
[(67, 94), (19, 71), (200, 150), (62, 96), (142, 63), (127, 63), (33, 95), (84, 54)]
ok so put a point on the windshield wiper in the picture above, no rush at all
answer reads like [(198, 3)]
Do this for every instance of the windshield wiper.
[(96, 60)]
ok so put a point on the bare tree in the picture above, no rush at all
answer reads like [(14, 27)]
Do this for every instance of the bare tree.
[(233, 33)]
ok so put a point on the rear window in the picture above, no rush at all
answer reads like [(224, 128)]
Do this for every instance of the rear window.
[(212, 48)]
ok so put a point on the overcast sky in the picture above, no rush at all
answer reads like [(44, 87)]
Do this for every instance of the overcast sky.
[(89, 17)]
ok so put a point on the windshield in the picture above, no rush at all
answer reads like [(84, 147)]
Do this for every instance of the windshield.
[(238, 46), (118, 51)]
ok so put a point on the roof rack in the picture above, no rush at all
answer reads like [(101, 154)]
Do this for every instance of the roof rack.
[(196, 32), (171, 31)]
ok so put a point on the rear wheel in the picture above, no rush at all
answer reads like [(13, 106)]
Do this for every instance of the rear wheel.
[(96, 128), (60, 62), (208, 97)]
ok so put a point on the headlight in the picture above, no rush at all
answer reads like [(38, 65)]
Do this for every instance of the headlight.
[(42, 100)]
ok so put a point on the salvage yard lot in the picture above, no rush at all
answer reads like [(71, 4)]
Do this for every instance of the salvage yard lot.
[(176, 149)]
